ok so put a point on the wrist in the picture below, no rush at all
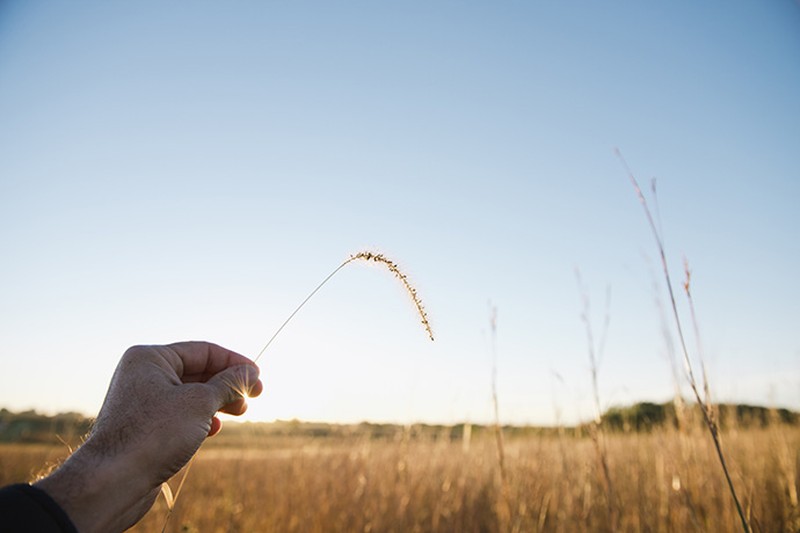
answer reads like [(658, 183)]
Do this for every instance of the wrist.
[(99, 494)]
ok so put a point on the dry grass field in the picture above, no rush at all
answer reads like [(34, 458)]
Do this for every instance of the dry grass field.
[(662, 480)]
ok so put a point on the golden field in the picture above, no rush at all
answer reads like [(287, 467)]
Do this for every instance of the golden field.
[(662, 480)]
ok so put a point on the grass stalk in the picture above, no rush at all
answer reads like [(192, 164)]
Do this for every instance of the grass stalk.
[(498, 429), (705, 408), (503, 507), (596, 428), (168, 496), (362, 256)]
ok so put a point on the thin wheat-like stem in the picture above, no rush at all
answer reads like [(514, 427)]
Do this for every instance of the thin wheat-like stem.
[(503, 503), (264, 349), (596, 428), (497, 427), (688, 290), (705, 408), (172, 499)]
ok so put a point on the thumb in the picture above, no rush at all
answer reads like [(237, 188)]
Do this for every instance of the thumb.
[(232, 384)]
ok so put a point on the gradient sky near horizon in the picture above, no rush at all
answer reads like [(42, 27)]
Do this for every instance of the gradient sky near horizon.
[(191, 170)]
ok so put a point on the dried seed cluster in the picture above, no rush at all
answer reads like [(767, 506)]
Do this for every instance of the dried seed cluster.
[(394, 269)]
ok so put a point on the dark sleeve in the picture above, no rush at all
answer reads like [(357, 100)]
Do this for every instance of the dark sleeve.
[(24, 509)]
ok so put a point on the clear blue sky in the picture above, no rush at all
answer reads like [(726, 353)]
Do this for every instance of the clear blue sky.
[(191, 170)]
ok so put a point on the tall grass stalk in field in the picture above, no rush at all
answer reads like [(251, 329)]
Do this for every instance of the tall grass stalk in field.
[(788, 473), (498, 429), (669, 345), (557, 378), (687, 287), (705, 407), (360, 256), (596, 428), (503, 508)]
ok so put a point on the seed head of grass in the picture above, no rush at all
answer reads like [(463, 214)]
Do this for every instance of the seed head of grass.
[(394, 269)]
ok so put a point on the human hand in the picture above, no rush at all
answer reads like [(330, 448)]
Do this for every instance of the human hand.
[(160, 406)]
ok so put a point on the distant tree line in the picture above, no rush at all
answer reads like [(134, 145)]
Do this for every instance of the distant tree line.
[(33, 427), (645, 416)]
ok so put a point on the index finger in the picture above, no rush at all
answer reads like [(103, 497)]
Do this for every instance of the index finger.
[(202, 360)]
